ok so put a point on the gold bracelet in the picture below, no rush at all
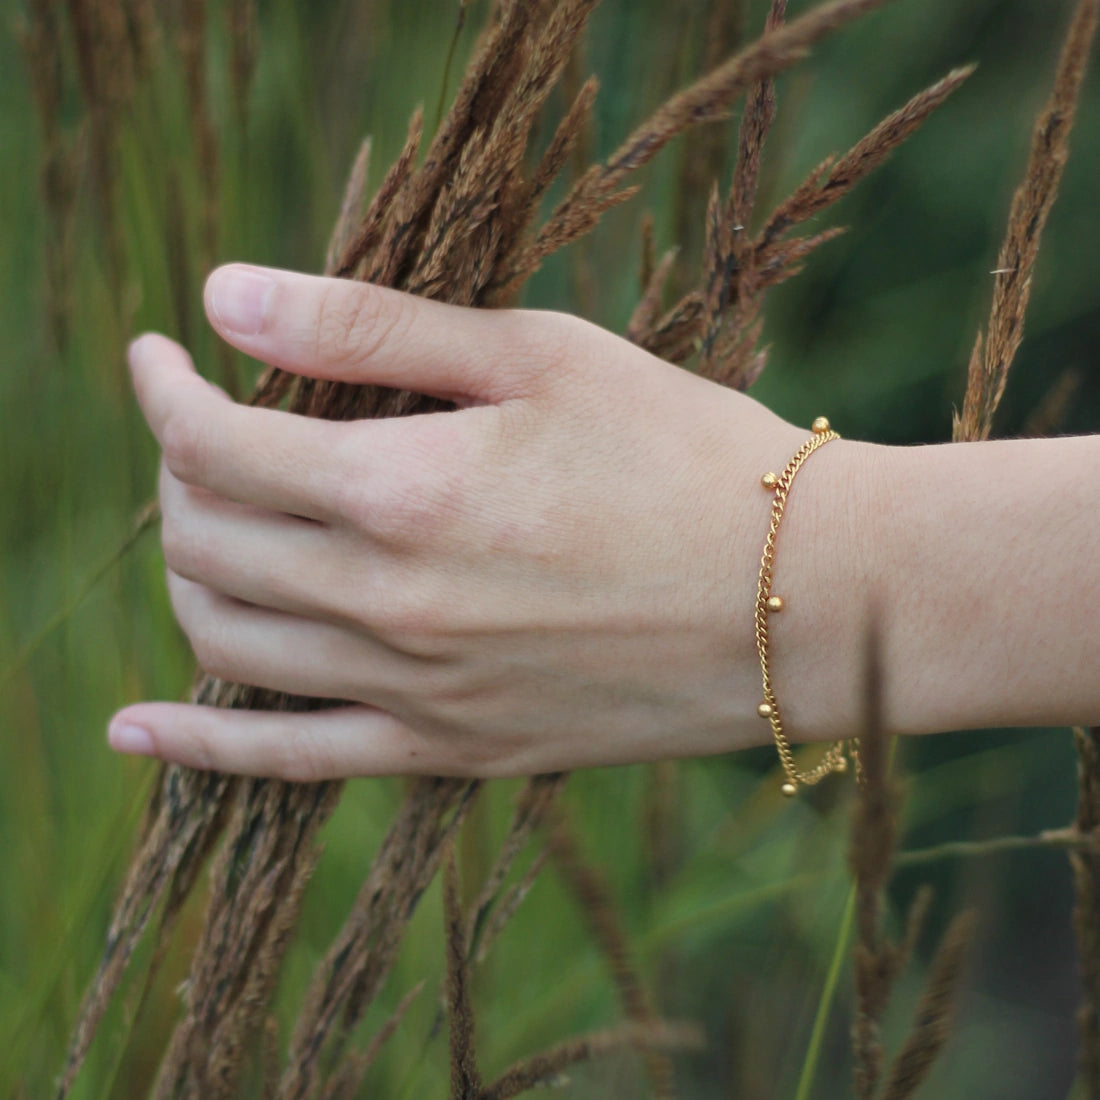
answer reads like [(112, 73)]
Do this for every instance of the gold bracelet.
[(767, 603)]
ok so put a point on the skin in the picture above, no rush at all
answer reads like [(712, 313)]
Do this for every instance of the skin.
[(561, 573)]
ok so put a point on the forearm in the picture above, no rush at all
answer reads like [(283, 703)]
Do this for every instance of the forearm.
[(980, 563), (994, 592)]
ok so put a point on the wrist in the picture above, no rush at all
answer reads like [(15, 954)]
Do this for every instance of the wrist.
[(987, 564), (828, 571)]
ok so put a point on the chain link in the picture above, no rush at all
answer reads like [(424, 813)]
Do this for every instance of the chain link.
[(767, 603)]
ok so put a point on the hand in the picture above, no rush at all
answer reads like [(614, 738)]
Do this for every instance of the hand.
[(560, 573)]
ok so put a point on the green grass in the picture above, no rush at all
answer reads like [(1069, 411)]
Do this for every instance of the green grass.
[(876, 334)]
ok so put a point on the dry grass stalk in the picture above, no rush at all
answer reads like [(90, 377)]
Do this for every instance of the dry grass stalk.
[(468, 938), (755, 124), (345, 1081), (649, 253), (269, 1058), (105, 68), (505, 908), (878, 961), (346, 261), (833, 179), (600, 913), (643, 324), (106, 72), (487, 191), (566, 141), (191, 43), (767, 261), (536, 800), (731, 331), (1048, 416), (43, 49), (730, 335), (490, 80), (585, 284), (1086, 913), (706, 151), (353, 971), (112, 41), (874, 835), (491, 909), (144, 33), (991, 359), (663, 822), (349, 219), (727, 302), (729, 253), (707, 100), (186, 808), (546, 1068), (465, 1079), (438, 232), (931, 1025), (257, 883), (243, 34)]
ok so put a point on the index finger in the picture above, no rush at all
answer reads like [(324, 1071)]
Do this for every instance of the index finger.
[(264, 457)]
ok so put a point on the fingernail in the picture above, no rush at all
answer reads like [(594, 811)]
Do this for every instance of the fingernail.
[(240, 300), (139, 349), (131, 739)]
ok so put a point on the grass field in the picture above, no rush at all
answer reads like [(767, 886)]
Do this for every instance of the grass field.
[(736, 909)]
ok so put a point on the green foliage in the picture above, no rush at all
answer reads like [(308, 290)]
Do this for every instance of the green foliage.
[(740, 931)]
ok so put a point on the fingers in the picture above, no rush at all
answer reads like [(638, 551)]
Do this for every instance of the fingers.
[(303, 748), (265, 558), (270, 649), (356, 332), (263, 457)]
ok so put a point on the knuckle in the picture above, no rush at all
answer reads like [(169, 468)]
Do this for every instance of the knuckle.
[(411, 624), (172, 541), (180, 595), (351, 499), (355, 322), (183, 553), (213, 651), (216, 660), (554, 341), (408, 512), (421, 501), (299, 759), (186, 448), (488, 757), (202, 750)]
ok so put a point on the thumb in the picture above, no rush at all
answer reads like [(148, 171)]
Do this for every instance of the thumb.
[(356, 332)]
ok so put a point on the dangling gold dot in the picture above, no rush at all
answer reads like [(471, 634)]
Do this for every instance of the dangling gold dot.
[(775, 603), (841, 764), (789, 789), (770, 481), (765, 710), (820, 426)]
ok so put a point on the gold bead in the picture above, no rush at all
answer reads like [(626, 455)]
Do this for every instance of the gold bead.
[(775, 603), (841, 764), (789, 790), (765, 710), (820, 426), (770, 481)]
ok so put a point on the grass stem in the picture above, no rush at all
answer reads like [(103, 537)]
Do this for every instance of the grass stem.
[(452, 49), (828, 995), (146, 518)]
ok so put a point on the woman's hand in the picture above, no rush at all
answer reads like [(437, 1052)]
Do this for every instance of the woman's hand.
[(559, 574)]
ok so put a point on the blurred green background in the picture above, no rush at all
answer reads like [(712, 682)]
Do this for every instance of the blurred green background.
[(736, 922)]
